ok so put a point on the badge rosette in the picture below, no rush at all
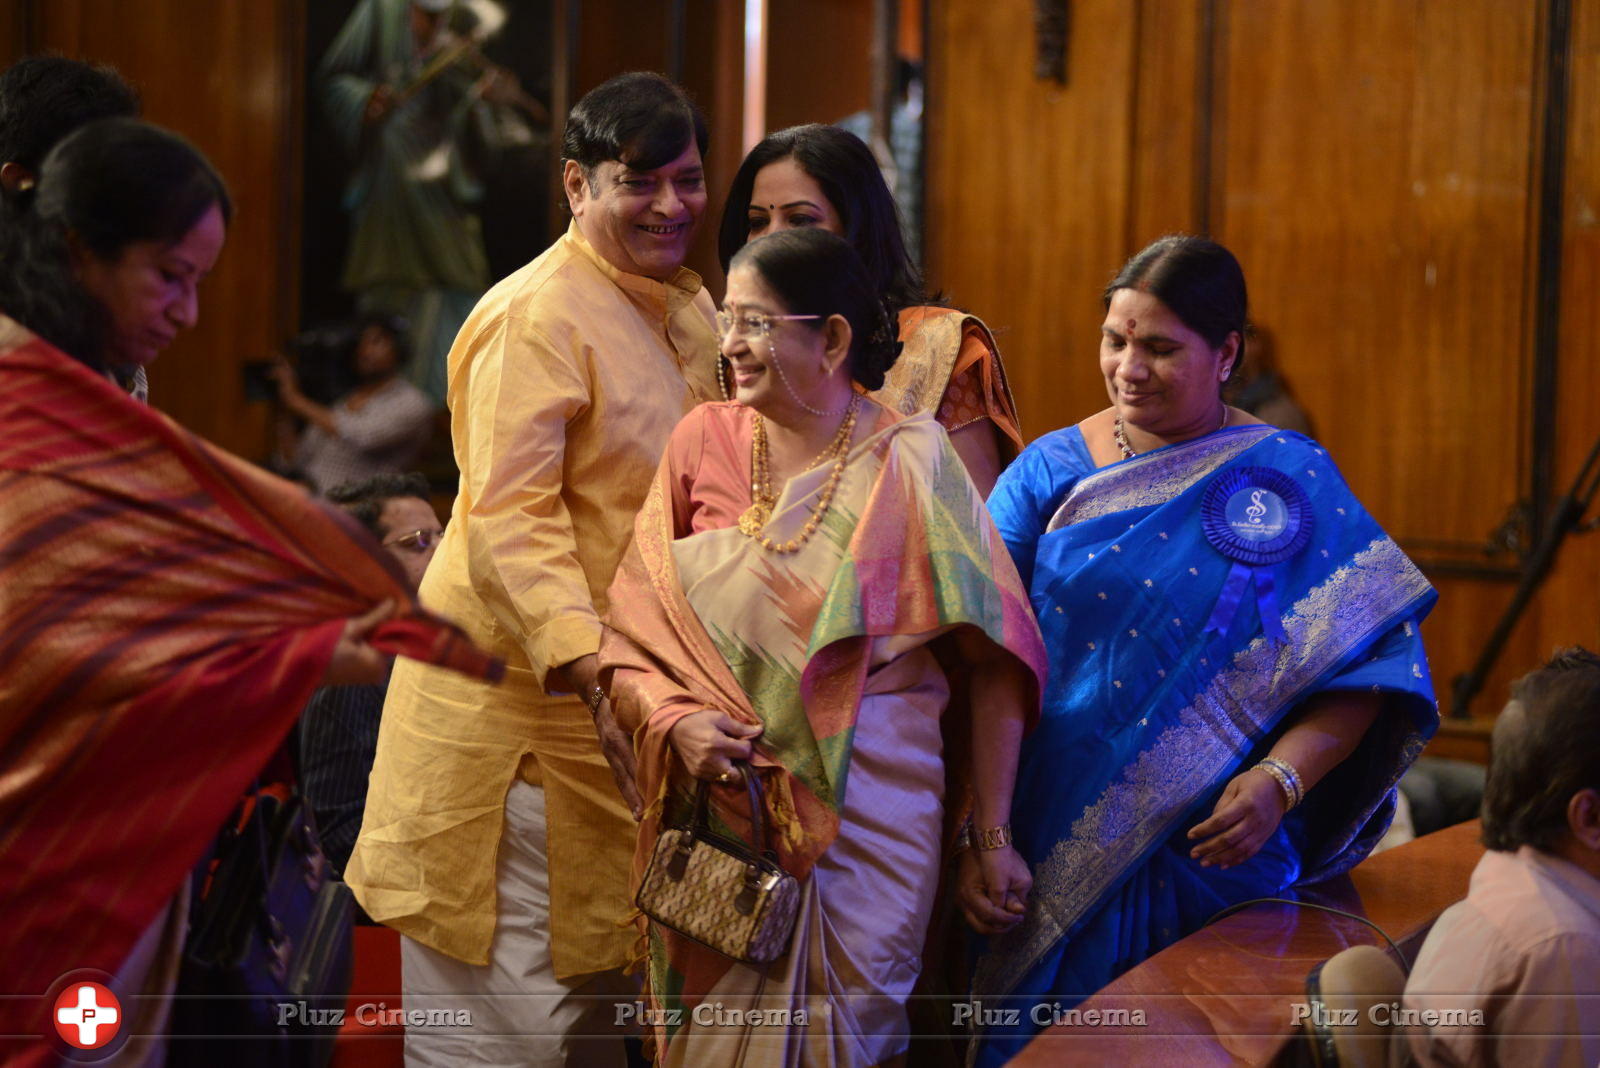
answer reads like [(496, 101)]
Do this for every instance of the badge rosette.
[(1258, 517)]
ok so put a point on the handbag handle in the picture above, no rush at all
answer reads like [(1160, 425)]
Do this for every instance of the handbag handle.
[(758, 812)]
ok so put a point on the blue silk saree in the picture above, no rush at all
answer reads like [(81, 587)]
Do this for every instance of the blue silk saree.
[(1173, 668)]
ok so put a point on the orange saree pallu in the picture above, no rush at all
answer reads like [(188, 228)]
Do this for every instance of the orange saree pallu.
[(831, 650), (166, 609)]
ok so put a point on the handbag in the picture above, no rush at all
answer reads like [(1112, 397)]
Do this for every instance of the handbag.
[(718, 891), (266, 968)]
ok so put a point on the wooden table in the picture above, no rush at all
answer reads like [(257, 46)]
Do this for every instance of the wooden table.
[(1227, 994)]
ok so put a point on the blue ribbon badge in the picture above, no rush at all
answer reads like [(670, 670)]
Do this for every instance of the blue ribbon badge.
[(1258, 517)]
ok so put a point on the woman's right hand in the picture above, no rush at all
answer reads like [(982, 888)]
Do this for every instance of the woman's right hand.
[(992, 889), (354, 661), (709, 741)]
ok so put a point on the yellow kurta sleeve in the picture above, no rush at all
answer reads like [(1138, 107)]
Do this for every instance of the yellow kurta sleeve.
[(521, 394)]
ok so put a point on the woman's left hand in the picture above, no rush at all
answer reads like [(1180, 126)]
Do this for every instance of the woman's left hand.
[(1251, 806)]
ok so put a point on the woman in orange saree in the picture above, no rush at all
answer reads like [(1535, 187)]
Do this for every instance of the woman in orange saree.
[(809, 627)]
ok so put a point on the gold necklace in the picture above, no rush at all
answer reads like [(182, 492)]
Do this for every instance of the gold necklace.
[(763, 499), (755, 517)]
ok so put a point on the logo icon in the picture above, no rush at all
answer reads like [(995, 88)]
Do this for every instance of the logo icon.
[(87, 1015), (1256, 514)]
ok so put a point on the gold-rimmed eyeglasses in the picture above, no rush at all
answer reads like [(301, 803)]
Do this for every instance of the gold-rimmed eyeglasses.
[(752, 324), (416, 541)]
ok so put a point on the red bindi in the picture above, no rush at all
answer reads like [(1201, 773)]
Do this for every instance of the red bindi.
[(1133, 324)]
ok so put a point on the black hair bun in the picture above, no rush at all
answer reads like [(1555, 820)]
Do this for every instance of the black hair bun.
[(878, 352)]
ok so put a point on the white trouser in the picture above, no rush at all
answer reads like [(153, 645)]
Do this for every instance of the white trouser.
[(520, 1013)]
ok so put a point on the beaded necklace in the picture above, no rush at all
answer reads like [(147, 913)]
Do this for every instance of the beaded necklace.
[(763, 499), (1121, 436)]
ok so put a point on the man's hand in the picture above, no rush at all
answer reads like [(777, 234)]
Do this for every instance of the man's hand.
[(618, 749), (581, 676)]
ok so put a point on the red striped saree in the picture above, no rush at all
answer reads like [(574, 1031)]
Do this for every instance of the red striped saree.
[(166, 609)]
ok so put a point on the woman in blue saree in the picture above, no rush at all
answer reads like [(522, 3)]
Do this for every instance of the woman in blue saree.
[(1236, 676)]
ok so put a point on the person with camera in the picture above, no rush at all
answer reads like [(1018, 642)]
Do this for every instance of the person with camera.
[(378, 428)]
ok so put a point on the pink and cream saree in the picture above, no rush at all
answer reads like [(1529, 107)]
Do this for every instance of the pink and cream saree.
[(833, 650)]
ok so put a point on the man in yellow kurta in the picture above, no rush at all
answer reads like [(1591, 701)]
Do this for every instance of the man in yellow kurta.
[(495, 839)]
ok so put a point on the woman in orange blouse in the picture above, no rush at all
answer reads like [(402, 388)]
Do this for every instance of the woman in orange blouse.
[(825, 177)]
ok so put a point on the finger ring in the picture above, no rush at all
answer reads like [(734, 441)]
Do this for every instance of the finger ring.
[(726, 776)]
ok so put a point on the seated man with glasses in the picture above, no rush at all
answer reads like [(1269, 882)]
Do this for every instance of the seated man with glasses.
[(339, 728)]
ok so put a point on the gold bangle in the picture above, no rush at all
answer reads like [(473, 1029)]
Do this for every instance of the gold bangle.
[(1291, 798), (596, 696), (992, 837), (1297, 789)]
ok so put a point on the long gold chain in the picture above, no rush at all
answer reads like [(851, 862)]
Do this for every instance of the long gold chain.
[(763, 499)]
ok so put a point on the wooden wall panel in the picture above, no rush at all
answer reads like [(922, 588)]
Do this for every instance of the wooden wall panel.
[(1028, 190), (714, 75), (1568, 609), (818, 60), (908, 36), (1454, 635), (1168, 145), (616, 36), (1373, 176), (13, 30), (225, 76)]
